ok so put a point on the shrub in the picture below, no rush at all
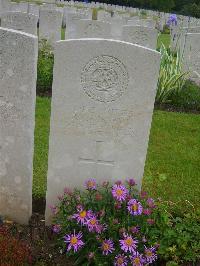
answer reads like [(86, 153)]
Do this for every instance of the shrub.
[(94, 13), (13, 251), (171, 77), (45, 68), (106, 224)]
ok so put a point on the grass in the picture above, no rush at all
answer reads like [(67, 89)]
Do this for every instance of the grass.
[(163, 38), (172, 168)]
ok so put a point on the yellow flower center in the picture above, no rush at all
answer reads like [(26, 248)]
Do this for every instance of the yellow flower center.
[(93, 221), (134, 207), (83, 214), (90, 184), (119, 192), (129, 241), (149, 253), (136, 261), (74, 240), (120, 261), (105, 246)]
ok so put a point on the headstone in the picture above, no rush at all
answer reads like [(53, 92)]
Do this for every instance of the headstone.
[(18, 70), (33, 9), (192, 56), (50, 25), (140, 35), (20, 21), (101, 112), (103, 16), (90, 29)]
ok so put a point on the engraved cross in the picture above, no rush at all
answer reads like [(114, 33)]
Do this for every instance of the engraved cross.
[(97, 160)]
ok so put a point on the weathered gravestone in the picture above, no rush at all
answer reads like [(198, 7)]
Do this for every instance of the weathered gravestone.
[(20, 21), (86, 28), (192, 56), (18, 70), (50, 25), (103, 98), (140, 35)]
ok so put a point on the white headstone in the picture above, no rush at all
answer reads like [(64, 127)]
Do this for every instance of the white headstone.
[(18, 70), (20, 21), (102, 104), (90, 29), (50, 25), (140, 35), (192, 56)]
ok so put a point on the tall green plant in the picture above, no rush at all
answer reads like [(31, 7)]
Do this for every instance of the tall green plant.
[(172, 77)]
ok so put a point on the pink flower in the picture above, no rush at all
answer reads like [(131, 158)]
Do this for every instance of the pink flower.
[(150, 221), (150, 254), (131, 182), (105, 184), (135, 229), (143, 194), (147, 212), (56, 228), (119, 192), (107, 246), (134, 207), (137, 259), (74, 241), (91, 255), (120, 260), (54, 209), (151, 203), (128, 244), (91, 184), (68, 191)]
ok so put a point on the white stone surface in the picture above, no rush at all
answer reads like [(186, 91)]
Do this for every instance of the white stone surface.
[(104, 15), (192, 56), (140, 35), (33, 9), (101, 112), (20, 21), (18, 70), (50, 25), (90, 29)]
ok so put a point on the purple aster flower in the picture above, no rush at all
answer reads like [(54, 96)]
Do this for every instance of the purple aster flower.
[(120, 260), (74, 241), (172, 20), (150, 221), (134, 207), (135, 229), (150, 254), (128, 243), (119, 192), (151, 203), (91, 184), (82, 216), (137, 259), (131, 182), (93, 224), (143, 194), (56, 228), (107, 246)]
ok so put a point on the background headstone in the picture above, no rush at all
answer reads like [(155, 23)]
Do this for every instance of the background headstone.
[(18, 70), (140, 35), (20, 21), (101, 112)]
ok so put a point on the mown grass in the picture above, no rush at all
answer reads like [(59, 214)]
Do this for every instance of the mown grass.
[(172, 169)]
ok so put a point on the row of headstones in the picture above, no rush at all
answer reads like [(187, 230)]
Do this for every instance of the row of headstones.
[(102, 104), (51, 22)]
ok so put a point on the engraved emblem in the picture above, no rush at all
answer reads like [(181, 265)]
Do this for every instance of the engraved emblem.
[(104, 78)]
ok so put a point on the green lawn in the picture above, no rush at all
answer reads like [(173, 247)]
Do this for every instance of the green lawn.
[(173, 161)]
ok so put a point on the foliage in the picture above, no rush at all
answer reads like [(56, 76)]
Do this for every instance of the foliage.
[(97, 225), (45, 68), (189, 97), (171, 77), (191, 9), (179, 235), (13, 251)]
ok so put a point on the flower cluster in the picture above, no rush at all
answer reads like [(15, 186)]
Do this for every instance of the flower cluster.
[(106, 222), (172, 20)]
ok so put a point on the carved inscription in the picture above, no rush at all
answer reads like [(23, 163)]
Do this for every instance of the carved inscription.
[(104, 78)]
